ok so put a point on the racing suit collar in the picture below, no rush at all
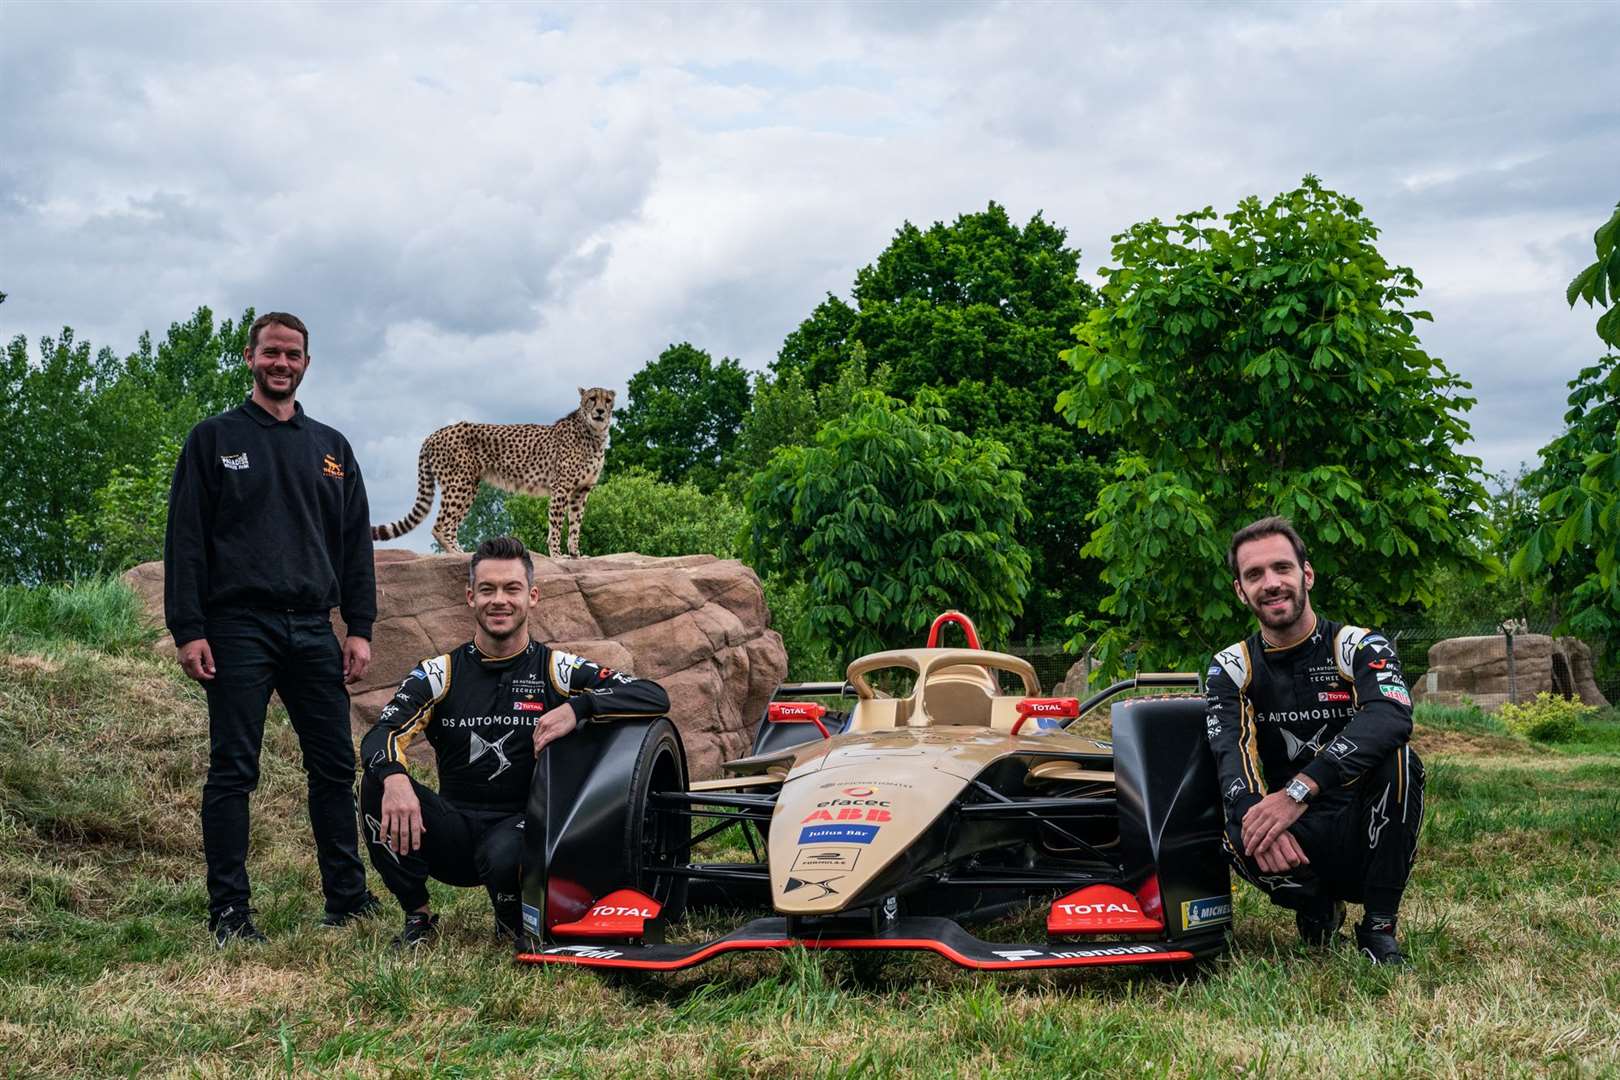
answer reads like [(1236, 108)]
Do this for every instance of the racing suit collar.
[(489, 660), (1305, 638)]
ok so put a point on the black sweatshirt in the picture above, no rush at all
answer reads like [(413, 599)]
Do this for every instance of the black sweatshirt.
[(1331, 707), (271, 514), (478, 713)]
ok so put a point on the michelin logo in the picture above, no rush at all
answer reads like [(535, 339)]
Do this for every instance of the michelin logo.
[(1206, 912)]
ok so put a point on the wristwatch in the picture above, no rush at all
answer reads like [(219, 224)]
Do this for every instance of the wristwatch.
[(1298, 791)]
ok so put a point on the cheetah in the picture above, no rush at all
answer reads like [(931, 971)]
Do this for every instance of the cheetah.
[(562, 460)]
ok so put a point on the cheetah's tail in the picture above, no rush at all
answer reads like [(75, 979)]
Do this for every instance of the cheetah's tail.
[(424, 501)]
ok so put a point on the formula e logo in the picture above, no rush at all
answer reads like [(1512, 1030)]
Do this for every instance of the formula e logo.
[(1340, 748)]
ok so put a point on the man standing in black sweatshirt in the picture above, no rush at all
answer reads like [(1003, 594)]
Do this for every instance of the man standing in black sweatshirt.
[(268, 531)]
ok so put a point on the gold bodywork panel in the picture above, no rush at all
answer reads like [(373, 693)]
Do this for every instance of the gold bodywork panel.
[(851, 804)]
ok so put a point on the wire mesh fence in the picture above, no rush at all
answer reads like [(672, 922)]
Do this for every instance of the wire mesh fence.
[(1057, 668)]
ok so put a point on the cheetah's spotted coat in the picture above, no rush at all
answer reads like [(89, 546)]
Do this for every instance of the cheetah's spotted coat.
[(562, 460)]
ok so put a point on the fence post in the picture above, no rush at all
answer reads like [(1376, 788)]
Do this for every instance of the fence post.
[(1507, 628)]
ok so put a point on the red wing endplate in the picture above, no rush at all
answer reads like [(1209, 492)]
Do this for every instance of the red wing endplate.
[(941, 936)]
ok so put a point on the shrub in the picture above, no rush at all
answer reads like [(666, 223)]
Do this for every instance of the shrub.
[(635, 511), (1549, 718)]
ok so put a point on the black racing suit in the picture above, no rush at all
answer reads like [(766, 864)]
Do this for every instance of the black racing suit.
[(1333, 708), (478, 712)]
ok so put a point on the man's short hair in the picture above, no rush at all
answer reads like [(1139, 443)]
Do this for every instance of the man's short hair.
[(500, 547), (280, 318), (1266, 526)]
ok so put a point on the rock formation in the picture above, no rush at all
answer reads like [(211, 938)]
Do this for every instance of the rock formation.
[(697, 624), (1477, 668)]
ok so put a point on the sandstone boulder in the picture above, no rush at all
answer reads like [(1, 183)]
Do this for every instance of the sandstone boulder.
[(697, 624), (1477, 668)]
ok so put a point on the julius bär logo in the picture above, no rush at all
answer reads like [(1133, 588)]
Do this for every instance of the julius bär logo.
[(332, 467), (858, 792)]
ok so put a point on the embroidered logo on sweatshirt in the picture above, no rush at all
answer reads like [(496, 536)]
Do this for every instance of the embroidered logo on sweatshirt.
[(332, 467), (234, 461)]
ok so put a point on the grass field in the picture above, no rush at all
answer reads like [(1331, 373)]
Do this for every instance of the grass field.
[(1513, 922)]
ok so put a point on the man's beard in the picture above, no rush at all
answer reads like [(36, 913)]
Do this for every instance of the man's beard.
[(261, 381), (1291, 613), (519, 626)]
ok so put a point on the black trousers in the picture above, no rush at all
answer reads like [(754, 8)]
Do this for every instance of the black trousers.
[(296, 655), (1361, 840), (461, 845)]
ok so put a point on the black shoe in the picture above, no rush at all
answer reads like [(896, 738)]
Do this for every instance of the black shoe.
[(420, 928), (1319, 925), (235, 924), (365, 909), (1375, 937)]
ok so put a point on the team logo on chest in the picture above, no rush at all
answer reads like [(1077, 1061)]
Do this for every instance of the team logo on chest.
[(479, 747)]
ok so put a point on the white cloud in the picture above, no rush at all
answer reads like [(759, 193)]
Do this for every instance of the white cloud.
[(478, 208)]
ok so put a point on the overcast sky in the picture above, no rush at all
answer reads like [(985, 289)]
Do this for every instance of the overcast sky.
[(478, 208)]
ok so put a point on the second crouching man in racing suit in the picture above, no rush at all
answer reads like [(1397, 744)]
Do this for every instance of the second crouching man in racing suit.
[(1312, 719), (488, 708)]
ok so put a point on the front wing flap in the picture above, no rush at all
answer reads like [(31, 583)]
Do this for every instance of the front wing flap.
[(941, 936)]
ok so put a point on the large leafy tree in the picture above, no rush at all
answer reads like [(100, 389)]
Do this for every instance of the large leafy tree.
[(682, 418), (93, 439), (1258, 364), (978, 311), (1574, 552), (889, 518)]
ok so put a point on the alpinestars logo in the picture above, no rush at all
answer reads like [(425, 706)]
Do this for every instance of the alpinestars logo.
[(375, 828), (1377, 818), (1298, 747), (478, 747)]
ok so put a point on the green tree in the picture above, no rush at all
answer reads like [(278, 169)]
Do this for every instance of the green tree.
[(489, 516), (890, 517), (682, 418), (786, 411), (635, 511), (129, 514), (1574, 551), (978, 310), (94, 434), (1266, 366), (55, 455)]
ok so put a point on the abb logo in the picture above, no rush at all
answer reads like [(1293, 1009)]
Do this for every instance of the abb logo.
[(849, 813), (604, 910), (1097, 909)]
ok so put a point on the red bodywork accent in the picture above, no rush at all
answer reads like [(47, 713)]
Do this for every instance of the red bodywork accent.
[(565, 901), (621, 914), (960, 620), (1099, 909), (927, 944), (1056, 708), (798, 712), (1151, 902)]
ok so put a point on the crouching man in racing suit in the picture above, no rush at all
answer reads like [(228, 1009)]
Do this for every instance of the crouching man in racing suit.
[(488, 708), (1309, 721)]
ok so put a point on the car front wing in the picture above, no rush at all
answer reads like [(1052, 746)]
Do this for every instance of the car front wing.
[(943, 937)]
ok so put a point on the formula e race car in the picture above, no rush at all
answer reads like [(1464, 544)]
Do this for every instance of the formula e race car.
[(888, 825)]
